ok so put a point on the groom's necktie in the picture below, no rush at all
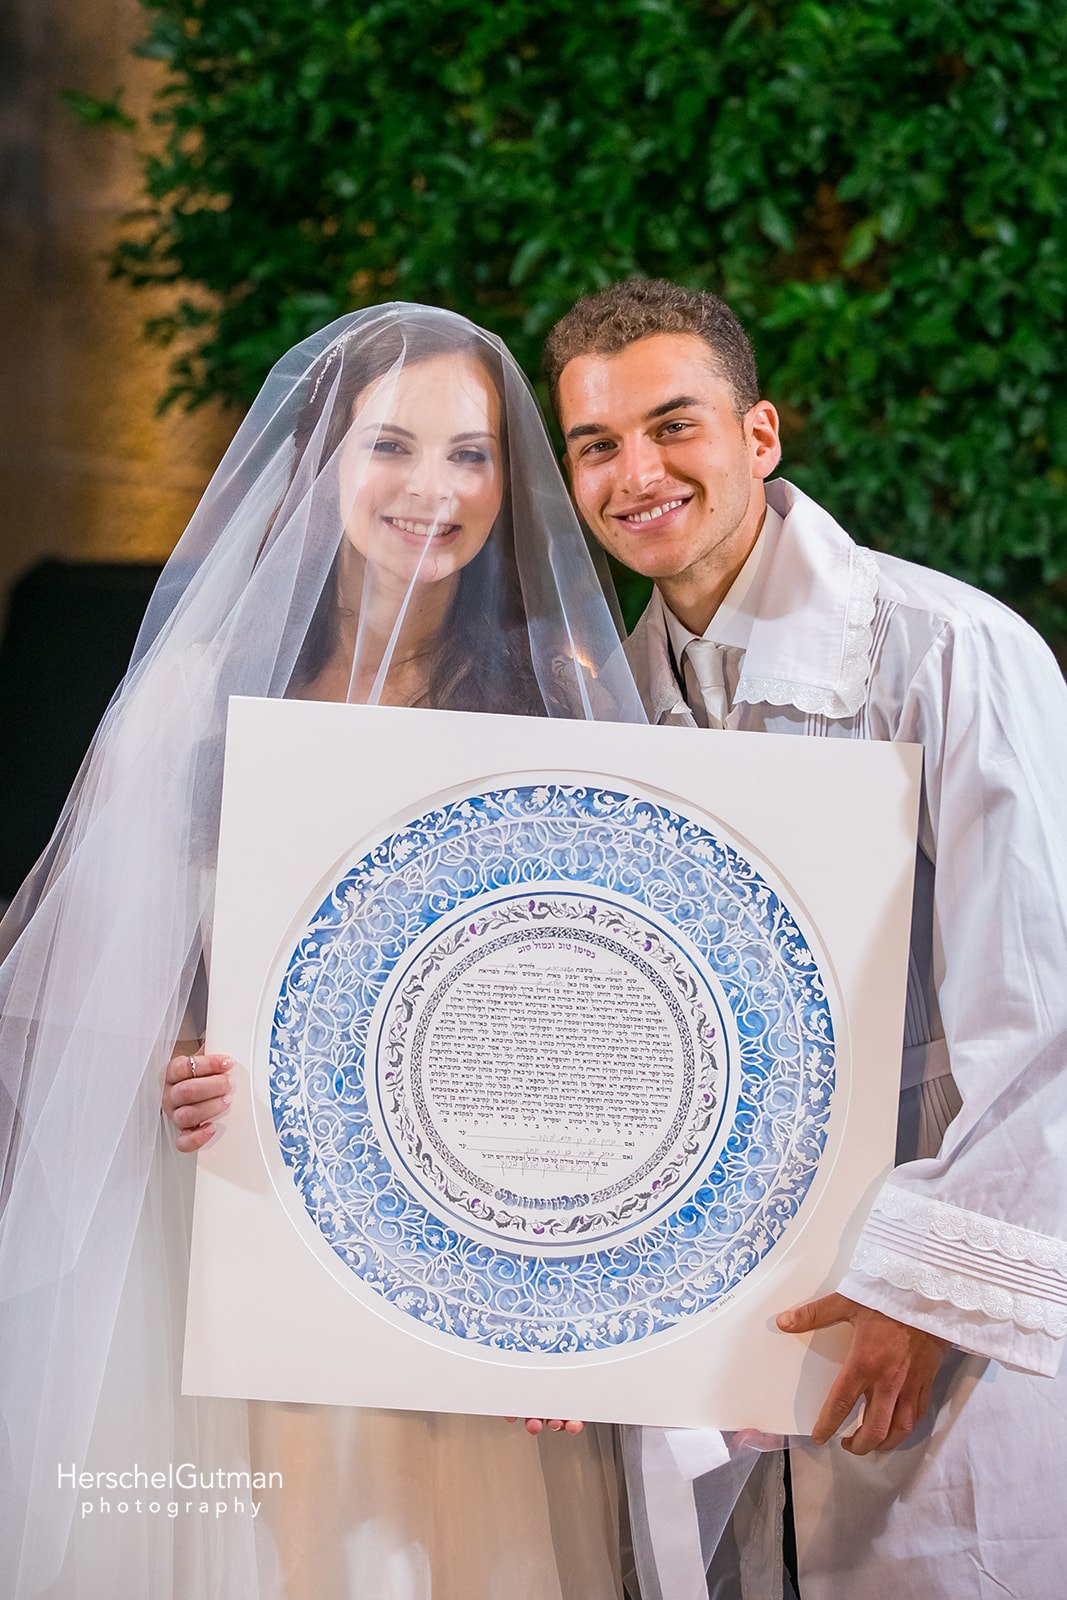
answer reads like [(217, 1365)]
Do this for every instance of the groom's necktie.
[(705, 685)]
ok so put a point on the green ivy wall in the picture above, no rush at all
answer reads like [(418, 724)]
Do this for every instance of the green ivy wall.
[(877, 187)]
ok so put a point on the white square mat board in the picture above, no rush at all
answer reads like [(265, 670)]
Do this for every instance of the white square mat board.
[(568, 1055)]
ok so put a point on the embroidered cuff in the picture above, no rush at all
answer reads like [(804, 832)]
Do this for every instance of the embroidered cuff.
[(964, 1259)]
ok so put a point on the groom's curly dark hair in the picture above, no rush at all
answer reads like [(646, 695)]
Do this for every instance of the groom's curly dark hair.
[(604, 323)]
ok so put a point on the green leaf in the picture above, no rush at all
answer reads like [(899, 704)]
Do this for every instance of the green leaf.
[(526, 258), (861, 242), (97, 111), (775, 224)]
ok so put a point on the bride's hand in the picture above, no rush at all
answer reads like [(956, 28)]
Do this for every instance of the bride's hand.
[(534, 1425), (196, 1092)]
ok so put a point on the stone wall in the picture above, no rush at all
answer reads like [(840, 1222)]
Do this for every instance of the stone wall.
[(88, 472)]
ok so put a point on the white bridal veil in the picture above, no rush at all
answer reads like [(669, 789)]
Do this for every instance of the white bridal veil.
[(389, 524)]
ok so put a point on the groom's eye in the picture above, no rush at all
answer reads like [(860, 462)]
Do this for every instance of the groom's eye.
[(598, 447)]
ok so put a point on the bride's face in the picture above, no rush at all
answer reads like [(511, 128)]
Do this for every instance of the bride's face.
[(422, 469)]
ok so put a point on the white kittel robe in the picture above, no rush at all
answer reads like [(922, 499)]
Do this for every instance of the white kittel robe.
[(967, 1238)]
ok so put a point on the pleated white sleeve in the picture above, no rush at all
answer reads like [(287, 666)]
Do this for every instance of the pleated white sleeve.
[(971, 1244)]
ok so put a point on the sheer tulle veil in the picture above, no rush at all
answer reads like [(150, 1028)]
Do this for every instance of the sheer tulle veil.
[(389, 524)]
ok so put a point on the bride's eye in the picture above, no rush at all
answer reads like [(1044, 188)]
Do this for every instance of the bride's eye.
[(387, 447), (471, 457)]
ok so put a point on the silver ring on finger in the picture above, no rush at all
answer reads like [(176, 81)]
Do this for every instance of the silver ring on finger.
[(192, 1065)]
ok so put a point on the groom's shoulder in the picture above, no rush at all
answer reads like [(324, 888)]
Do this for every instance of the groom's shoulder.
[(944, 598), (910, 594), (970, 636)]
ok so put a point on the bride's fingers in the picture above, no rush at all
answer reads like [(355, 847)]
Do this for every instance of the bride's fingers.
[(196, 1091), (181, 1069), (190, 1080), (191, 1091), (536, 1425), (194, 1116), (189, 1106), (194, 1138)]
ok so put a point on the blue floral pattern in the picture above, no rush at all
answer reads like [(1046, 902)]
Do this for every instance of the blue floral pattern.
[(501, 1279)]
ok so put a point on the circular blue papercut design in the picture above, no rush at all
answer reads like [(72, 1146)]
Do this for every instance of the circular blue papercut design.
[(517, 1292)]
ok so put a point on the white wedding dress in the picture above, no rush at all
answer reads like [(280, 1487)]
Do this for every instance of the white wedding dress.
[(371, 1505)]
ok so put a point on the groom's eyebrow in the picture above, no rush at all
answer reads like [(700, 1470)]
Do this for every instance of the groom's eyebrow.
[(681, 402)]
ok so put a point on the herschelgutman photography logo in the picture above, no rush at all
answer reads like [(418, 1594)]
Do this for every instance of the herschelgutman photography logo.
[(178, 1489)]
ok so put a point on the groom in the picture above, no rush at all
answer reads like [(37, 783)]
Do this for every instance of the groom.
[(766, 617)]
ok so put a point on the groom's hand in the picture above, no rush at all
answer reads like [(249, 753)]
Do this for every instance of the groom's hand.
[(890, 1366)]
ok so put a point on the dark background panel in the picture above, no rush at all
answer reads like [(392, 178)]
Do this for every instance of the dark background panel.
[(70, 630)]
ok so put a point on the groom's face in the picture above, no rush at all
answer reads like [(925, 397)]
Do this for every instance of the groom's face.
[(666, 474)]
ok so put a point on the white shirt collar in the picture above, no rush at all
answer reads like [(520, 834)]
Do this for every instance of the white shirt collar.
[(811, 626), (732, 623)]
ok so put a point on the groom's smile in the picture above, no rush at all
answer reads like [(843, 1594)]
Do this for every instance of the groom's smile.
[(640, 516)]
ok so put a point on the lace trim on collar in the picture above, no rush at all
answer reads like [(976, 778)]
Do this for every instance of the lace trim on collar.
[(847, 697)]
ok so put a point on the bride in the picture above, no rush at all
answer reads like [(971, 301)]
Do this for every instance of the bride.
[(388, 526)]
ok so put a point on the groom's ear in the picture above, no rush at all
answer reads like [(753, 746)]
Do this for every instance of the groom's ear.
[(762, 432)]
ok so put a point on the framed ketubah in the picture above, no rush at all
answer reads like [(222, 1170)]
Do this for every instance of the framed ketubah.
[(568, 1055)]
